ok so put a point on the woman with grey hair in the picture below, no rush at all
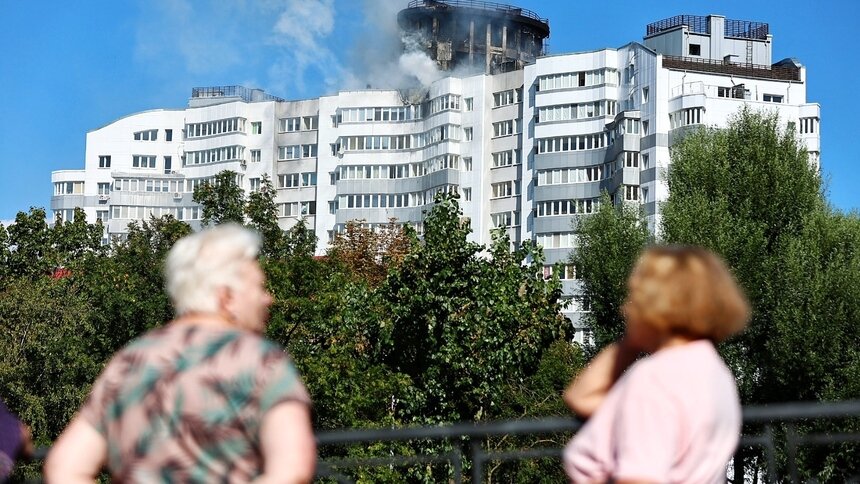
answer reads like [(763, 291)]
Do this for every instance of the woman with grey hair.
[(204, 398)]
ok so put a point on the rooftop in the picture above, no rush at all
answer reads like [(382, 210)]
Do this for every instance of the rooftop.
[(497, 7), (742, 29), (246, 94)]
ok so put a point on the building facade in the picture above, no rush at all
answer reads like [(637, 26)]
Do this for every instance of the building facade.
[(528, 150)]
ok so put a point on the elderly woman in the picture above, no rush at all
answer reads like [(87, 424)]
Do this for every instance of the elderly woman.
[(205, 398), (673, 416)]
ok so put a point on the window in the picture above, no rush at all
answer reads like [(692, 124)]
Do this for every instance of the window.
[(104, 161), (645, 92), (310, 123), (695, 49), (148, 135), (467, 163), (808, 125), (645, 162), (255, 184), (772, 98), (644, 128), (309, 151), (505, 219), (558, 240), (685, 117), (104, 188), (566, 112), (168, 135), (506, 158), (287, 125), (469, 103), (505, 189), (332, 207), (143, 161), (308, 208), (631, 192), (467, 134), (256, 127), (168, 164), (503, 128), (631, 159), (102, 215), (255, 156), (504, 98), (467, 194), (292, 152)]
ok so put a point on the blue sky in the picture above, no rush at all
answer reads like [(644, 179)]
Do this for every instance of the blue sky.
[(70, 67)]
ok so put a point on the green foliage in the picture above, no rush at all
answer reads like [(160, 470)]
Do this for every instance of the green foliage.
[(610, 241), (223, 200)]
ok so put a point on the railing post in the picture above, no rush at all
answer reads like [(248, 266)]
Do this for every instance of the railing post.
[(791, 448), (478, 456)]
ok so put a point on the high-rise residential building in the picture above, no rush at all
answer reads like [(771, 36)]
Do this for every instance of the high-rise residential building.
[(528, 140)]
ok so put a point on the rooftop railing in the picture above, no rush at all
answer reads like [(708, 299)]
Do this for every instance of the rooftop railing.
[(246, 94), (742, 29), (781, 73), (501, 7)]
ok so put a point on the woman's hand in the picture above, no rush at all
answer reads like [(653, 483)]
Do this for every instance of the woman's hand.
[(27, 448), (588, 390)]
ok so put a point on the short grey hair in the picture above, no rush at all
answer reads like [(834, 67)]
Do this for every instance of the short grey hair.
[(201, 263)]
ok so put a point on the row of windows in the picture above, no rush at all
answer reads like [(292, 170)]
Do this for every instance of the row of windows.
[(404, 170), (143, 185), (361, 115), (506, 158), (215, 155), (558, 240), (686, 117), (152, 135), (565, 272), (505, 189), (554, 208), (505, 98), (294, 152), (578, 79), (297, 209), (560, 176), (443, 103), (212, 128), (400, 142), (506, 128), (627, 126), (192, 184), (566, 112), (297, 180), (505, 219), (303, 123), (69, 188), (574, 143), (143, 161), (137, 213), (400, 200)]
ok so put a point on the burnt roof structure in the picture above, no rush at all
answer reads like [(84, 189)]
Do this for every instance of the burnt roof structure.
[(474, 35)]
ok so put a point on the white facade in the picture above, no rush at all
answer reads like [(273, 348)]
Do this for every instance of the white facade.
[(529, 149)]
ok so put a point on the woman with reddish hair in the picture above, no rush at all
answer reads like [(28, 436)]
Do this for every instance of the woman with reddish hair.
[(673, 416)]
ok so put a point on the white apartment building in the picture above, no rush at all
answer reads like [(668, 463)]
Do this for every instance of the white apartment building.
[(529, 149)]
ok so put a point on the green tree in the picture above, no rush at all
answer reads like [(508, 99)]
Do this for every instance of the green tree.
[(262, 215), (223, 200), (610, 241)]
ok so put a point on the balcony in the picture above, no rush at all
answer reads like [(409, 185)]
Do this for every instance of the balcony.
[(775, 72)]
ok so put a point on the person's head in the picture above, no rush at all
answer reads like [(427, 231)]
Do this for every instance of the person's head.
[(216, 271), (683, 291)]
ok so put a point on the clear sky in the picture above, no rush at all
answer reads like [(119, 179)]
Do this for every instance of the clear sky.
[(71, 67)]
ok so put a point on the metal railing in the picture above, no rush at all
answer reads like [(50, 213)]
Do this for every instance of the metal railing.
[(767, 429), (501, 7), (783, 73), (742, 29), (246, 94)]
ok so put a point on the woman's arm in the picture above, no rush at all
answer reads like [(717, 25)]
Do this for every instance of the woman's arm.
[(590, 387)]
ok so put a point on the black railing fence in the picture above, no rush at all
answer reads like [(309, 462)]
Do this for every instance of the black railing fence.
[(774, 439)]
